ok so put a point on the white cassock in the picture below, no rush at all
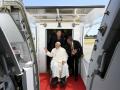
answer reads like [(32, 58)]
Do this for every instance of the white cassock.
[(58, 69)]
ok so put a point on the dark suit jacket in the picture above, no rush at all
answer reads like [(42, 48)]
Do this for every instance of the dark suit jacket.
[(77, 46), (53, 39)]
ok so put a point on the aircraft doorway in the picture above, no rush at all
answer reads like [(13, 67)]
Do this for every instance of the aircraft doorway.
[(52, 38)]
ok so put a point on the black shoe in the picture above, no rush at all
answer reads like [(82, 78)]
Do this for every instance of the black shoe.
[(63, 81), (54, 82)]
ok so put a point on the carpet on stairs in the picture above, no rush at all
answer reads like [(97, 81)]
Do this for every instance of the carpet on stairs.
[(71, 83)]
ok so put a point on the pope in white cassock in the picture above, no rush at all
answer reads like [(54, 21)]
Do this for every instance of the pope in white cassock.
[(59, 65)]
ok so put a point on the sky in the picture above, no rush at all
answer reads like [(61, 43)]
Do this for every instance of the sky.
[(64, 2)]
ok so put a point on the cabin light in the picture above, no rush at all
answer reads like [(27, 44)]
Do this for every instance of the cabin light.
[(44, 24), (74, 24)]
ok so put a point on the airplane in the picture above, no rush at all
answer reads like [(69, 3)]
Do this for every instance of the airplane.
[(25, 31)]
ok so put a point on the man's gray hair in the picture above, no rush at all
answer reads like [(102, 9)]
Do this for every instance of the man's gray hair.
[(58, 43)]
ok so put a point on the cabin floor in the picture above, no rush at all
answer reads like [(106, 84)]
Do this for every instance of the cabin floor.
[(71, 83)]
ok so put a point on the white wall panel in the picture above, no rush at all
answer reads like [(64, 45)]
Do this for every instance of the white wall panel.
[(41, 45)]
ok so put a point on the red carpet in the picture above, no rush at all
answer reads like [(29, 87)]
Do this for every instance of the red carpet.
[(71, 83)]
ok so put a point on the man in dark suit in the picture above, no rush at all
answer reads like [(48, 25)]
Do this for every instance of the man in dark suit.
[(75, 51), (56, 37)]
